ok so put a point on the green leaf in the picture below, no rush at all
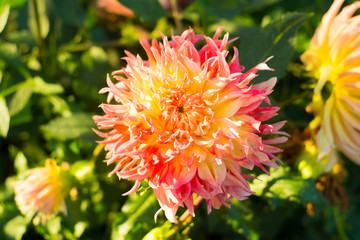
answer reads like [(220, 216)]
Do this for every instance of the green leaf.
[(22, 117), (2, 67), (17, 3), (136, 217), (260, 184), (10, 54), (167, 231), (290, 189), (4, 118), (94, 54), (16, 227), (21, 37), (68, 62), (130, 34), (275, 39), (54, 226), (42, 24), (44, 88), (281, 184), (241, 217), (4, 14), (148, 10), (80, 227), (20, 99), (294, 189), (59, 105), (82, 170), (20, 163), (75, 126)]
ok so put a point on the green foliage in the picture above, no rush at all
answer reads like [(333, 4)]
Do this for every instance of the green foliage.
[(75, 126), (274, 39), (10, 55), (148, 10), (38, 21), (20, 163), (16, 227), (165, 231), (4, 14), (44, 88), (283, 185), (54, 57), (20, 99), (136, 217), (4, 117), (212, 12)]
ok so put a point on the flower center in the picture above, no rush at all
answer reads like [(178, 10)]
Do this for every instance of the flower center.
[(180, 109), (185, 111)]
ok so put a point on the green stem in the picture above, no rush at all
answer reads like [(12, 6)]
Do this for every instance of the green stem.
[(294, 99), (85, 46), (339, 224), (39, 39), (176, 15), (24, 72), (15, 87), (28, 82)]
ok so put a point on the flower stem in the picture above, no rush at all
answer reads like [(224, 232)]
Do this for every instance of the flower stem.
[(176, 15), (294, 99), (28, 82), (38, 32), (97, 152), (339, 224)]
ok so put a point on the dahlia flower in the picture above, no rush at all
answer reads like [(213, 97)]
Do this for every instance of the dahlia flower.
[(188, 121), (43, 190), (334, 59)]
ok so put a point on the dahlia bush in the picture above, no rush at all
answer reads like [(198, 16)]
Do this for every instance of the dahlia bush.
[(189, 121)]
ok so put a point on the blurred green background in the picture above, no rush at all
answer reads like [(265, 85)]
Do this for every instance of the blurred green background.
[(54, 57)]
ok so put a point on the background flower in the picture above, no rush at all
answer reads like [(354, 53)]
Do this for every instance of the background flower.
[(114, 7), (334, 59), (43, 191), (188, 121)]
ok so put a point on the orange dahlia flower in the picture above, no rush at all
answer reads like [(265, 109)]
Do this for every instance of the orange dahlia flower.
[(43, 190), (334, 59), (188, 121)]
